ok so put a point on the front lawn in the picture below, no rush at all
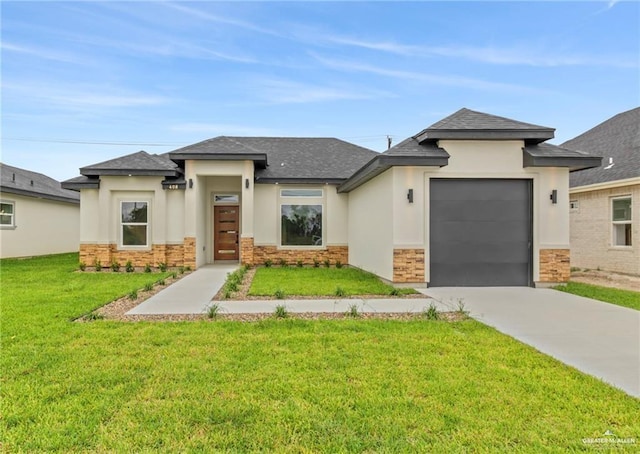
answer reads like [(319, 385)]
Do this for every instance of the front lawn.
[(626, 298), (319, 282), (278, 385)]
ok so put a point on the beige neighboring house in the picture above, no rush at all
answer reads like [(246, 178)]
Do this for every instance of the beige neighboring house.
[(605, 200), (37, 216), (473, 200)]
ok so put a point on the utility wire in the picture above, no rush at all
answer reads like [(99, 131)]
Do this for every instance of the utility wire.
[(92, 142)]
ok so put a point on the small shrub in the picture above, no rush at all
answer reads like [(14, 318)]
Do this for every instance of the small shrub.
[(268, 263), (162, 282), (316, 263), (133, 295), (327, 263), (226, 294), (431, 313), (339, 264), (91, 316), (283, 263), (162, 266), (231, 286), (148, 286), (128, 267), (299, 264), (573, 269), (281, 311), (461, 307), (187, 268), (279, 294), (147, 268), (213, 310), (98, 265), (340, 291), (174, 275), (353, 311), (181, 270), (82, 266), (115, 266), (394, 291)]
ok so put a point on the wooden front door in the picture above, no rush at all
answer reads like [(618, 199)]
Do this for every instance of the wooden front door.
[(226, 235)]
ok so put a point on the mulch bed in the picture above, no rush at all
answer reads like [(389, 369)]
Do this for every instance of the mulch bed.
[(117, 309)]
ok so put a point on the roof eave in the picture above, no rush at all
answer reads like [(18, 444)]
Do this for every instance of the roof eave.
[(276, 180), (382, 163), (574, 163), (534, 136), (92, 172), (259, 159), (39, 195)]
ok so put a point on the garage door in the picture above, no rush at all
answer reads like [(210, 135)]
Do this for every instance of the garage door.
[(480, 232)]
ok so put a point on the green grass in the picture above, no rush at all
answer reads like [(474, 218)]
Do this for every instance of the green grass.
[(319, 282), (282, 385), (626, 298)]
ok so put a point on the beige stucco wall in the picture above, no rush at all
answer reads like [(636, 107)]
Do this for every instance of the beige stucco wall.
[(371, 225), (592, 232), (503, 159), (209, 177), (267, 213), (41, 227)]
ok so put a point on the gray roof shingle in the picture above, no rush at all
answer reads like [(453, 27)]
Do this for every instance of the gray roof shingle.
[(548, 155), (14, 180), (285, 158), (618, 141), (140, 163), (469, 124)]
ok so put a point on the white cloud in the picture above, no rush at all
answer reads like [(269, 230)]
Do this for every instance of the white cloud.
[(38, 52)]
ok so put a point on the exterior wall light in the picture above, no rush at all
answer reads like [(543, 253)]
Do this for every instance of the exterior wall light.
[(554, 196), (190, 183), (246, 183), (410, 195)]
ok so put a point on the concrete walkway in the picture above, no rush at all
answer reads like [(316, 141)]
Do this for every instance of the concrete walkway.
[(190, 295), (597, 338)]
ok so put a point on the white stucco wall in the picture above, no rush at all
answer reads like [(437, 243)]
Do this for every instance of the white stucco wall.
[(41, 227), (503, 159), (592, 231), (371, 225)]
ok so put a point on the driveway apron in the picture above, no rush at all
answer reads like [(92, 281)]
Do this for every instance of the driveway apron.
[(597, 338)]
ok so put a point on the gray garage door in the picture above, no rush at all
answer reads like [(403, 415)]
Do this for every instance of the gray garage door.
[(480, 232)]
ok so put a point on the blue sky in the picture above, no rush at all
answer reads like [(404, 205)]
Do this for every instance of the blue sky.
[(83, 82)]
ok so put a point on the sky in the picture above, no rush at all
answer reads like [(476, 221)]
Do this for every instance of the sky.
[(84, 82)]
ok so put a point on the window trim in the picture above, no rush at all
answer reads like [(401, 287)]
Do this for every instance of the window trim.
[(147, 224), (302, 196), (574, 206), (13, 225), (625, 222), (317, 199), (322, 228)]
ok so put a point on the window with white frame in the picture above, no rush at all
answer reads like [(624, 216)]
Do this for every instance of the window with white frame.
[(7, 214), (301, 218), (621, 219), (134, 223)]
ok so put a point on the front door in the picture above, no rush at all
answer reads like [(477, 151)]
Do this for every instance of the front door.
[(225, 233)]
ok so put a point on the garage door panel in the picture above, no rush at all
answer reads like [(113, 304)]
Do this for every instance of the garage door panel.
[(511, 230), (480, 232), (482, 210)]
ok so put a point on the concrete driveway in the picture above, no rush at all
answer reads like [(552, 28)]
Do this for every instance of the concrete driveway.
[(597, 338)]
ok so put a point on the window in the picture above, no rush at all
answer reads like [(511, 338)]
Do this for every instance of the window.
[(574, 205), (225, 198), (7, 214), (301, 225), (621, 218), (134, 223), (301, 193)]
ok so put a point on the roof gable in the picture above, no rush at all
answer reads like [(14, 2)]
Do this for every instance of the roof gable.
[(19, 181), (618, 141), (140, 163), (467, 124)]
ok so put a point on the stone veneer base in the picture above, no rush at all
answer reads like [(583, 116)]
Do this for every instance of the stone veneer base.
[(555, 265), (408, 266), (170, 254)]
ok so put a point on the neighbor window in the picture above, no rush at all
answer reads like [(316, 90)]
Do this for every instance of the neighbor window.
[(574, 205), (301, 225), (134, 217), (7, 214), (621, 218)]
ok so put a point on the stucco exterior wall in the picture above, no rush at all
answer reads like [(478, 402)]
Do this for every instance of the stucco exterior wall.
[(41, 227), (592, 231), (503, 159), (371, 225)]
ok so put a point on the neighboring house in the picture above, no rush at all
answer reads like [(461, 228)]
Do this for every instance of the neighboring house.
[(464, 202), (605, 200), (37, 216)]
